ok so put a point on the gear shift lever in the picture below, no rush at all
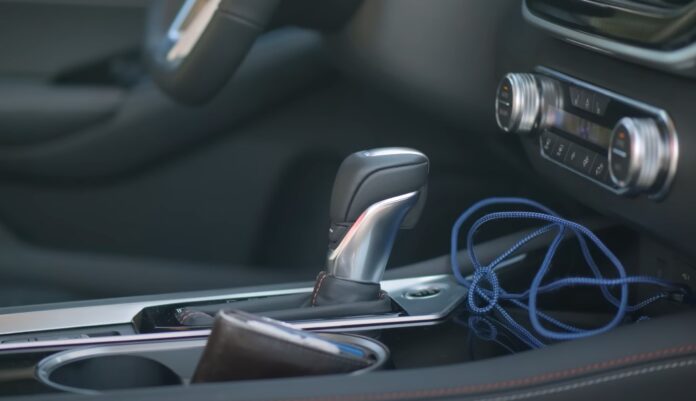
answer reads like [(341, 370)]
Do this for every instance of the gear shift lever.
[(375, 193)]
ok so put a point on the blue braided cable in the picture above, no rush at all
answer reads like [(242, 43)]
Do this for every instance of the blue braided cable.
[(467, 214), (549, 319), (583, 244), (558, 284), (543, 230), (595, 269), (646, 302), (524, 334), (487, 274), (536, 282)]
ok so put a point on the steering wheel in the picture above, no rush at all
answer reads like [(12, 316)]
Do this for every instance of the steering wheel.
[(194, 47)]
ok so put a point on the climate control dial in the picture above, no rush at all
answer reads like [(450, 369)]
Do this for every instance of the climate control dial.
[(639, 155), (517, 103)]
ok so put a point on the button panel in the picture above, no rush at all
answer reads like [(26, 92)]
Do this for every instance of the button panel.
[(628, 147), (576, 157), (589, 101)]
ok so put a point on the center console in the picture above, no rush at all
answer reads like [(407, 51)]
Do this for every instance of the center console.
[(92, 347), (364, 322), (360, 325)]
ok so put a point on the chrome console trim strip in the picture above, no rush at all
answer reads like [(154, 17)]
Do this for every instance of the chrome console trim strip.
[(104, 315), (418, 311)]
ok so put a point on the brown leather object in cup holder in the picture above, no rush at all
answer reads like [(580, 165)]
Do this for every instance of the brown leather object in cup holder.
[(244, 347)]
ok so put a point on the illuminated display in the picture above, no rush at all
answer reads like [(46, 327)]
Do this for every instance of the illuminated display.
[(577, 126)]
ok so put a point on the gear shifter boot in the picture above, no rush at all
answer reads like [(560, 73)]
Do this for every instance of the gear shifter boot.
[(331, 298), (332, 290)]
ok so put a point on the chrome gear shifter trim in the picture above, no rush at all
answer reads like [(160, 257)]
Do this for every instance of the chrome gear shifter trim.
[(363, 252)]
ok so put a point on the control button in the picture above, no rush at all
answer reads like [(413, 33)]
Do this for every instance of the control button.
[(503, 113), (586, 161), (575, 96), (638, 154), (573, 155), (620, 153), (580, 159), (620, 166), (588, 101), (600, 104), (560, 149), (505, 93), (547, 141), (582, 99), (600, 170), (621, 145), (517, 103)]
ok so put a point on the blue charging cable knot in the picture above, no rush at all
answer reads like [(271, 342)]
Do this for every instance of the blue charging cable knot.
[(485, 292), (490, 298)]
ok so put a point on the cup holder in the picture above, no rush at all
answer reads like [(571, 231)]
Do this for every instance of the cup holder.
[(112, 372), (93, 370)]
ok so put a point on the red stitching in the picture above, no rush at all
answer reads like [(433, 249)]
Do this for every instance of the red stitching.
[(318, 287), (475, 388)]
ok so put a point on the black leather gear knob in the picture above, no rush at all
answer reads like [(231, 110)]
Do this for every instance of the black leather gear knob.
[(376, 192), (369, 176)]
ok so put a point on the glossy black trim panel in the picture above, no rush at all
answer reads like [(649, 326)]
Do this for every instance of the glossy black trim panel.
[(631, 22)]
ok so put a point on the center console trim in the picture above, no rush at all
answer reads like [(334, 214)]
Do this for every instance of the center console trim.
[(450, 294)]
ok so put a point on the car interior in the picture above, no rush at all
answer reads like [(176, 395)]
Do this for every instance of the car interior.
[(347, 200)]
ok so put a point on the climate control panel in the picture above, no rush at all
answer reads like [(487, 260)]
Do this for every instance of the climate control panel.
[(621, 144)]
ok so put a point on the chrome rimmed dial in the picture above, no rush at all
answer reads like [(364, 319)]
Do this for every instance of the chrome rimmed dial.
[(639, 155), (517, 103)]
